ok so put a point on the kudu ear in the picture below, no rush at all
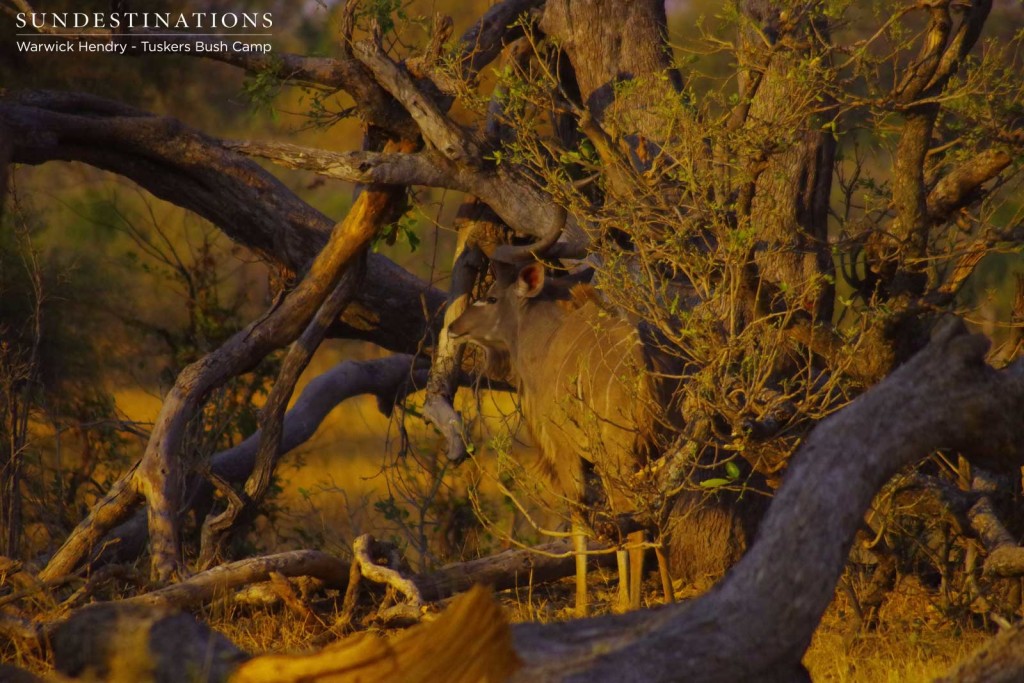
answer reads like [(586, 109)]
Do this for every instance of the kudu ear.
[(530, 281)]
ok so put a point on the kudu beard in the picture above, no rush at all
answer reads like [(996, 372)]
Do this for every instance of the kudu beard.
[(179, 21)]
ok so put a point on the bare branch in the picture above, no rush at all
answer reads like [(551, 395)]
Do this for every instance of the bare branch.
[(272, 416), (116, 505), (389, 379), (382, 377), (920, 72), (962, 185), (510, 569), (157, 476), (363, 551), (963, 41), (926, 78), (425, 168), (485, 40), (441, 132), (523, 206), (1005, 557), (251, 206)]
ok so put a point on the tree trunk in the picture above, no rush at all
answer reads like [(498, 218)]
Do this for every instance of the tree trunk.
[(789, 206), (610, 42)]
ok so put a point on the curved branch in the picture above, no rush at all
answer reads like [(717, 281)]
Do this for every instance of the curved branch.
[(962, 42), (757, 623), (485, 39), (365, 550), (386, 378), (921, 71), (271, 445), (194, 171), (157, 477)]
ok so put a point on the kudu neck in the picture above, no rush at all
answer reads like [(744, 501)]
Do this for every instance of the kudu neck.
[(540, 333)]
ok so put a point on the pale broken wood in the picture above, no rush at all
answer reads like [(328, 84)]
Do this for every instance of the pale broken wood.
[(469, 642), (364, 550)]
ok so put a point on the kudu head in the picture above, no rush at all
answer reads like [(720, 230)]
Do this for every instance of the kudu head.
[(493, 321)]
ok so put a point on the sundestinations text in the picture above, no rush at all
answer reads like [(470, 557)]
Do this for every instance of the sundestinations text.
[(144, 20)]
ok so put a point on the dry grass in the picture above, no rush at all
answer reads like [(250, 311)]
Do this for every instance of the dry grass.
[(912, 641)]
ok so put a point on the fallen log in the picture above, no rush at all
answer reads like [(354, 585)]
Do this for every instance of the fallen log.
[(222, 580)]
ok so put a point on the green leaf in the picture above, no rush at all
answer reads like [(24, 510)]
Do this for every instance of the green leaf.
[(732, 470)]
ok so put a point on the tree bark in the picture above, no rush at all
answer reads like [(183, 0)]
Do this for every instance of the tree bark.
[(789, 194), (899, 256), (1000, 660), (129, 643)]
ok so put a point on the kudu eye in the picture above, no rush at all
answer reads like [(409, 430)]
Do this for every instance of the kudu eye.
[(492, 299)]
